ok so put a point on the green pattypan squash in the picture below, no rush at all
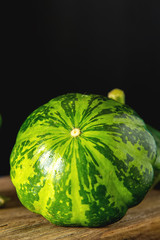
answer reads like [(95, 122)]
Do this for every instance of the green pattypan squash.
[(83, 160)]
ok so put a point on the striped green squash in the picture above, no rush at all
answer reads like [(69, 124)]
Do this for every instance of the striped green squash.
[(119, 95), (82, 160), (2, 200), (156, 134)]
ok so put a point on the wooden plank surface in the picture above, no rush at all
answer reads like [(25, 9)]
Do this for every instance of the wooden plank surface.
[(16, 222)]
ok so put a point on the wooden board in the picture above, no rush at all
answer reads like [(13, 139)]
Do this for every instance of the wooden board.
[(16, 222)]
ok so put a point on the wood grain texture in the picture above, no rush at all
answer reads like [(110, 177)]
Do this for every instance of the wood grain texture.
[(16, 222)]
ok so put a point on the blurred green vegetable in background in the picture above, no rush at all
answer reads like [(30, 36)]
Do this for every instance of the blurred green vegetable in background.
[(3, 199), (119, 96)]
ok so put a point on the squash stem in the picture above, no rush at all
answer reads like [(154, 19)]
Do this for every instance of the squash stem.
[(117, 95)]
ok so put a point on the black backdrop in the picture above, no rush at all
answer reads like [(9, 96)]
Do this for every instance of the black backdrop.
[(54, 47)]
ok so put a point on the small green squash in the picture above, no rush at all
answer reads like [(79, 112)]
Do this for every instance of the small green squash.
[(156, 134), (2, 199), (119, 95), (83, 160)]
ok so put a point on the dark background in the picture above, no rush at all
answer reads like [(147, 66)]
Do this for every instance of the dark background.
[(55, 47)]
